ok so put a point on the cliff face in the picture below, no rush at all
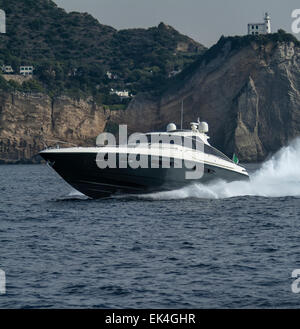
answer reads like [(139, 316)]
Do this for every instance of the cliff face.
[(27, 121), (249, 96)]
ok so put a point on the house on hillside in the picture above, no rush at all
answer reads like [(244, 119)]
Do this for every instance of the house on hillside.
[(111, 76), (260, 28), (7, 69), (120, 93), (26, 70)]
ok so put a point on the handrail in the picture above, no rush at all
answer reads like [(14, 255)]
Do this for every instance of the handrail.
[(59, 141)]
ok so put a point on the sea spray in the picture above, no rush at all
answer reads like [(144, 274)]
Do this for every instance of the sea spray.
[(277, 177), (75, 193)]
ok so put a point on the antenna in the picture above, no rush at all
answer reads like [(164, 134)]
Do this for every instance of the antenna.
[(181, 119)]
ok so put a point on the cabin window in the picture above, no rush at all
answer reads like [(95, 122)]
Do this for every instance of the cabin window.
[(160, 161), (194, 142), (212, 151)]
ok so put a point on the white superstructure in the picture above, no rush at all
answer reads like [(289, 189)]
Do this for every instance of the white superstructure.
[(186, 145)]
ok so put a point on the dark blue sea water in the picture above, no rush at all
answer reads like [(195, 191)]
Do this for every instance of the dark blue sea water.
[(226, 246)]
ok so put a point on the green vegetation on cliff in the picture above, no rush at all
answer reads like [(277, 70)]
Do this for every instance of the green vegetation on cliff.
[(72, 52), (234, 44)]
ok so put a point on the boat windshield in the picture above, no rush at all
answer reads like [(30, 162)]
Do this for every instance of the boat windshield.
[(185, 141), (212, 151)]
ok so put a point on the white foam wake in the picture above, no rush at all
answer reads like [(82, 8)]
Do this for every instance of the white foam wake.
[(75, 193), (277, 177)]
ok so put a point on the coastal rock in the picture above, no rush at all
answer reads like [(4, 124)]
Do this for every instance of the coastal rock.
[(247, 91), (249, 95), (29, 122)]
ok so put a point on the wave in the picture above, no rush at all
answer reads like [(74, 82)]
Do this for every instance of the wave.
[(277, 177), (75, 193)]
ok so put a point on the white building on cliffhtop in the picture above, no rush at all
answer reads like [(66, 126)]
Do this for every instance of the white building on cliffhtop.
[(7, 69), (26, 70), (260, 28)]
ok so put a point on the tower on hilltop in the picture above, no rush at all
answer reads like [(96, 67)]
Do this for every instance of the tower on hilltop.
[(260, 28)]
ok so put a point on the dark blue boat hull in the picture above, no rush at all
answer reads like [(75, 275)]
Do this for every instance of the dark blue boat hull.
[(80, 170)]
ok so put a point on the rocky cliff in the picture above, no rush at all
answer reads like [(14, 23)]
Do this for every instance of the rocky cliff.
[(29, 121), (246, 88)]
